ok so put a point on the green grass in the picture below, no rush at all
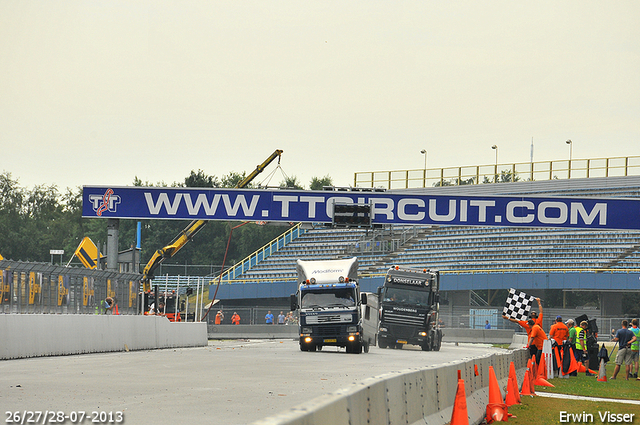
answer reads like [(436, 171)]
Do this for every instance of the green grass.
[(544, 410)]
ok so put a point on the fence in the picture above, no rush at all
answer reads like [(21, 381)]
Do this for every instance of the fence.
[(499, 173), (45, 288)]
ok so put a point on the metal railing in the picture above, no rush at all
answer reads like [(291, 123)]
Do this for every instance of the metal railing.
[(500, 173), (261, 254), (45, 288)]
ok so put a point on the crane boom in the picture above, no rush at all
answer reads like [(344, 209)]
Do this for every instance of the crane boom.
[(194, 227)]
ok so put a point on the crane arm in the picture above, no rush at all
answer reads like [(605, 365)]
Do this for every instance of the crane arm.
[(194, 227)]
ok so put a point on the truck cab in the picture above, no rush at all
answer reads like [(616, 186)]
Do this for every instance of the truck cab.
[(409, 309), (329, 303)]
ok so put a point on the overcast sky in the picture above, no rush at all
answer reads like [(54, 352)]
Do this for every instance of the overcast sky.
[(98, 92)]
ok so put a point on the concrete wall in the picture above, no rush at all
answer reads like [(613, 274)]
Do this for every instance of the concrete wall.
[(409, 397), (487, 336), (34, 335)]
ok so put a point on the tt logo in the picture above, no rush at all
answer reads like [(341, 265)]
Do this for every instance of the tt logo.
[(106, 202)]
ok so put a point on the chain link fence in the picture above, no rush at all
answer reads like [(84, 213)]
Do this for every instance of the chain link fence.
[(27, 287)]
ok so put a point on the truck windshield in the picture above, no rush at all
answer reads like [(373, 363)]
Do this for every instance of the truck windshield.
[(406, 296), (324, 298)]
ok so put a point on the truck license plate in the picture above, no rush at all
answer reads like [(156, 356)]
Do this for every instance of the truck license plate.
[(331, 340), (401, 341)]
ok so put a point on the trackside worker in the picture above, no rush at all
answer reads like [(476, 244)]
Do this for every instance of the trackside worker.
[(581, 346), (558, 333), (235, 319), (537, 318), (536, 340)]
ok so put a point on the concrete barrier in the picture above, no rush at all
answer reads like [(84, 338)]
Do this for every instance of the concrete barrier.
[(253, 332), (478, 336), (35, 335), (409, 397)]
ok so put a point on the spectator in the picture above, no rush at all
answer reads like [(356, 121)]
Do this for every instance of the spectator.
[(269, 318), (281, 318), (635, 347), (108, 305), (625, 339), (487, 325), (219, 317), (235, 319)]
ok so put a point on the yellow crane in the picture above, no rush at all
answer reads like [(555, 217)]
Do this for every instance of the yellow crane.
[(194, 227)]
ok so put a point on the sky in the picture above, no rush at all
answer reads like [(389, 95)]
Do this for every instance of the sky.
[(102, 92)]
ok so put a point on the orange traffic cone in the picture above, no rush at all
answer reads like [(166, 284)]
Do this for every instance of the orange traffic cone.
[(512, 397), (496, 409), (542, 368), (115, 309), (573, 367), (541, 380), (602, 372), (460, 415), (514, 378), (527, 388)]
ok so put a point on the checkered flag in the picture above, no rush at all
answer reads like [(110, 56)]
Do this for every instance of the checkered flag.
[(518, 305)]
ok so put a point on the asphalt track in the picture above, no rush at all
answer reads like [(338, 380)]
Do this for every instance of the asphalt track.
[(227, 382)]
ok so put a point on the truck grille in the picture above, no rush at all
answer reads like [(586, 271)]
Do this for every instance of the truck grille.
[(328, 318), (401, 318), (327, 330)]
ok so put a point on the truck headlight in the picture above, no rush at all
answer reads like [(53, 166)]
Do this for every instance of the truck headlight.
[(422, 333), (383, 329), (352, 329)]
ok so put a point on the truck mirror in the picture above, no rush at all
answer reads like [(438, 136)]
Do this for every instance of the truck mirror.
[(379, 291), (294, 302), (363, 298)]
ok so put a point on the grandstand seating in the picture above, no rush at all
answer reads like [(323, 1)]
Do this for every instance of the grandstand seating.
[(463, 249)]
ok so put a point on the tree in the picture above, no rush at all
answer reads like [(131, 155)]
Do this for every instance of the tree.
[(200, 179), (319, 183), (291, 183)]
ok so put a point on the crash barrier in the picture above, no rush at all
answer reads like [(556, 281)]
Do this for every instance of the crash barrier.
[(409, 397), (487, 336), (35, 335)]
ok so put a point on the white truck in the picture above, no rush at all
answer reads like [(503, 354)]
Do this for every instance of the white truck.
[(329, 303)]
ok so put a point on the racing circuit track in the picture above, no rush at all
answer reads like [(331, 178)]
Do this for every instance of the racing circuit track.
[(227, 382)]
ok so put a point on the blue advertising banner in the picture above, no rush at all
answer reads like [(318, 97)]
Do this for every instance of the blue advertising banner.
[(386, 208)]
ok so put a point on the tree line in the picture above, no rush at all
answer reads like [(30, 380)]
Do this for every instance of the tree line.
[(36, 220)]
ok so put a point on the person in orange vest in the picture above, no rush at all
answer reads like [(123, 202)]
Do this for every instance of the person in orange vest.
[(219, 317), (536, 340), (537, 318), (558, 334), (235, 319)]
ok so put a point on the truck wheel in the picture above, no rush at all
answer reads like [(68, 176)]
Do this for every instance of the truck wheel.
[(382, 343), (312, 348), (366, 347), (426, 346), (437, 343)]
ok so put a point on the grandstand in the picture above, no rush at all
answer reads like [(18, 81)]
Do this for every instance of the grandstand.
[(580, 258), (465, 248)]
